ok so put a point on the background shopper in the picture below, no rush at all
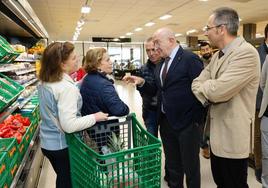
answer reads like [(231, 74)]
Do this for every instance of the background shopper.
[(263, 52), (229, 84), (206, 54), (264, 123), (60, 104)]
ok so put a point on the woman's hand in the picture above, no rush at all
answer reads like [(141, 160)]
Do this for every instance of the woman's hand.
[(100, 116)]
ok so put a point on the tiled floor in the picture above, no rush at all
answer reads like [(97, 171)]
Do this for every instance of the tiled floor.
[(130, 96)]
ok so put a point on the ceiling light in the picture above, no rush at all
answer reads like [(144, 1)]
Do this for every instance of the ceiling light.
[(240, 19), (80, 23), (178, 34), (258, 35), (166, 16), (122, 37), (191, 31), (149, 24), (116, 39), (85, 9), (138, 29), (78, 28), (129, 33)]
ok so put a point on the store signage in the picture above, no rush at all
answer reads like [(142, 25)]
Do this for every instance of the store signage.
[(110, 39)]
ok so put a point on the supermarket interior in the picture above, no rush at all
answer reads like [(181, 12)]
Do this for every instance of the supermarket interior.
[(125, 29)]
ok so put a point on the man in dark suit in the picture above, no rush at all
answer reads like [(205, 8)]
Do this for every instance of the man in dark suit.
[(179, 112)]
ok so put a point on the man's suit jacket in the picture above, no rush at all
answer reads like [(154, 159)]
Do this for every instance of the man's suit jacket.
[(180, 105), (230, 84), (264, 87)]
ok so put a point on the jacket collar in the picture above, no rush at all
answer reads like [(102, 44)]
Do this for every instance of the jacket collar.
[(67, 78), (231, 47), (103, 75)]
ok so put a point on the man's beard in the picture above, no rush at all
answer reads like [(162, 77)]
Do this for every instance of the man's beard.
[(207, 56)]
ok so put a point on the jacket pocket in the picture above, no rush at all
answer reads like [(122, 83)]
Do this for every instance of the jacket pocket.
[(235, 135)]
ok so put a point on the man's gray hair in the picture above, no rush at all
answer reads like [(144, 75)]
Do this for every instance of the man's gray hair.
[(228, 17), (149, 40)]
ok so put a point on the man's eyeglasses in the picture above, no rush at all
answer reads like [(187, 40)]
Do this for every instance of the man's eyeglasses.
[(207, 28)]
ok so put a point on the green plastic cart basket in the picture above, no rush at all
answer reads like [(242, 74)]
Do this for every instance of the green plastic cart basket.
[(138, 165)]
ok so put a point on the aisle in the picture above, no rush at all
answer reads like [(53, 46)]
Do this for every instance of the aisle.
[(131, 96)]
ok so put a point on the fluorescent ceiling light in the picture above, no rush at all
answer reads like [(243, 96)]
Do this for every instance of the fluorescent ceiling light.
[(258, 35), (129, 33), (240, 19), (80, 23), (178, 34), (116, 39), (138, 29), (166, 16), (85, 9), (78, 28), (149, 24), (191, 31), (122, 37)]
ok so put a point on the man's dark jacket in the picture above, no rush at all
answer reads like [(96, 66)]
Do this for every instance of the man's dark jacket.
[(180, 105), (149, 101)]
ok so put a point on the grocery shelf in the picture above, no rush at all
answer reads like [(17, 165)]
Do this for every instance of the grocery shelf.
[(30, 82), (25, 71), (25, 101), (8, 68), (25, 60), (23, 162)]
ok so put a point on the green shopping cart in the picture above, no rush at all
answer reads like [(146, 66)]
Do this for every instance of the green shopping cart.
[(138, 165)]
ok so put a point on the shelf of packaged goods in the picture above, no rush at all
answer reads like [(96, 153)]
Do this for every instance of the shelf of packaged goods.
[(25, 71), (25, 60), (8, 68), (25, 101), (30, 82), (23, 162), (16, 69)]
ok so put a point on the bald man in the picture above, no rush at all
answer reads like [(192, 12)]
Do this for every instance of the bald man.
[(179, 112)]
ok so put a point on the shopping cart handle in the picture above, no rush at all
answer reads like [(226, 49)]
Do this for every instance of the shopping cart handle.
[(116, 117), (126, 117)]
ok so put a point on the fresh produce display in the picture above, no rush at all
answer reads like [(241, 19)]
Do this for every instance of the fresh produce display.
[(14, 126), (37, 49)]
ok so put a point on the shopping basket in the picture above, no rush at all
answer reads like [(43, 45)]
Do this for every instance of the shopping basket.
[(137, 165)]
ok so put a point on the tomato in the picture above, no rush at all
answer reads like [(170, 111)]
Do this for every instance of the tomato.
[(18, 136), (26, 121), (22, 130)]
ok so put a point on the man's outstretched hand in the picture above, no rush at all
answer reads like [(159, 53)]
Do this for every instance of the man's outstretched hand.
[(138, 81)]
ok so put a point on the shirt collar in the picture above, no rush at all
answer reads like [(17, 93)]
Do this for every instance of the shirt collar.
[(174, 51), (67, 78), (228, 46)]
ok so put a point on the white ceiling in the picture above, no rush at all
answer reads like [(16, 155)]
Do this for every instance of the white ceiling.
[(113, 18)]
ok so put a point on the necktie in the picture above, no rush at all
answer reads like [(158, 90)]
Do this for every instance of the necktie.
[(220, 54), (164, 72)]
